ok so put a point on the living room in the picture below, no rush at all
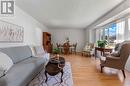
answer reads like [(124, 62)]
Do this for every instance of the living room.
[(72, 26)]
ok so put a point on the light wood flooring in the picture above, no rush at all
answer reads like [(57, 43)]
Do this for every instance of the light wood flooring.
[(86, 72)]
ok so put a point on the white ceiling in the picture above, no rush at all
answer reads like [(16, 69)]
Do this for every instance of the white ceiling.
[(67, 13)]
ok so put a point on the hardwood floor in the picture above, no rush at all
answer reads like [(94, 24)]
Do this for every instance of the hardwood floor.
[(86, 72)]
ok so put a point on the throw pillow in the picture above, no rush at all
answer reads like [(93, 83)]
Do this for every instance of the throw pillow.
[(5, 63), (115, 54), (117, 47), (39, 50), (120, 46)]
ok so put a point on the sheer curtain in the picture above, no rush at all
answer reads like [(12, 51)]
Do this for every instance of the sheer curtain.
[(120, 30), (128, 28), (97, 34)]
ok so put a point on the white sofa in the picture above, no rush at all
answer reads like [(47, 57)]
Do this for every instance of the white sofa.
[(25, 66)]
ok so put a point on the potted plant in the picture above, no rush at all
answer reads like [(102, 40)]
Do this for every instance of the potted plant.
[(102, 43), (56, 52)]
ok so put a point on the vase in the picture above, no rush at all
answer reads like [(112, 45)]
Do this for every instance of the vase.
[(56, 56)]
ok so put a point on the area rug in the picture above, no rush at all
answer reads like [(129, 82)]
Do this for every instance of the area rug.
[(54, 80)]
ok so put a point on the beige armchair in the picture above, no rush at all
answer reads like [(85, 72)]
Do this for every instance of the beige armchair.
[(88, 49), (117, 62)]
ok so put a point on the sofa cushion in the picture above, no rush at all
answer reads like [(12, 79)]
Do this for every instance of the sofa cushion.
[(5, 63), (23, 72), (17, 53)]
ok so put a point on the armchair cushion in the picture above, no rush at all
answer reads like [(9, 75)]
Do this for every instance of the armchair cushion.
[(110, 61)]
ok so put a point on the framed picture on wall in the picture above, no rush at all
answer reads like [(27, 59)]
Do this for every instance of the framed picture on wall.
[(11, 33)]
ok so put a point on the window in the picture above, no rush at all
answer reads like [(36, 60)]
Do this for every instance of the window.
[(113, 32), (106, 33), (110, 33)]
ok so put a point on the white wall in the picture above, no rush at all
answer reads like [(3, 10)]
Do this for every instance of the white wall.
[(87, 35), (32, 28), (75, 35)]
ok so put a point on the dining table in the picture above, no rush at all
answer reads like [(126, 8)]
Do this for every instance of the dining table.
[(66, 48)]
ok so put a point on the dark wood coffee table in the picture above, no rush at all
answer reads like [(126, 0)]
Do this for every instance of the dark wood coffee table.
[(54, 67)]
